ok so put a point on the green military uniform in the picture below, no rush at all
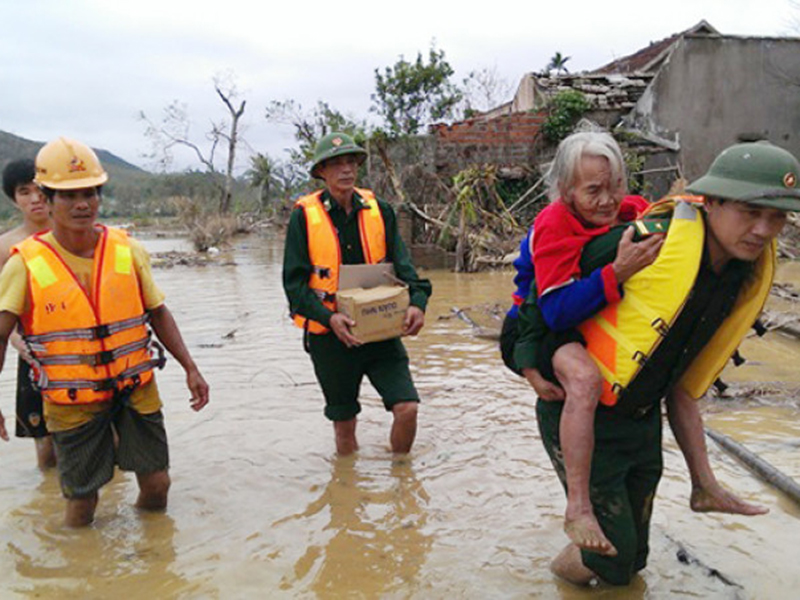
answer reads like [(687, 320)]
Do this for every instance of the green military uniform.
[(626, 462), (340, 369)]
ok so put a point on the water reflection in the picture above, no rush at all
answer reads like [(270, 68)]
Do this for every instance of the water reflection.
[(125, 553), (375, 544), (259, 509)]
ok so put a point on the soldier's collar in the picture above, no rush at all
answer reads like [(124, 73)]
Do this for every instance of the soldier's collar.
[(328, 202)]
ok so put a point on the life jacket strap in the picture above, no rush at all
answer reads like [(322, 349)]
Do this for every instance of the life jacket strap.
[(656, 322), (615, 334), (110, 383), (321, 272), (323, 295), (98, 332), (96, 360)]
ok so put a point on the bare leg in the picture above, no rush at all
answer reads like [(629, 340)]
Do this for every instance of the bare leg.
[(45, 453), (80, 511), (707, 493), (569, 566), (153, 490), (404, 427), (345, 432), (582, 383)]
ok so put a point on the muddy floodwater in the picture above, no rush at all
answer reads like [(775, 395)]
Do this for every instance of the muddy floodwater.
[(260, 507)]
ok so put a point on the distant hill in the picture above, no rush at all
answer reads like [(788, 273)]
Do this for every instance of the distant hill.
[(13, 147), (132, 191)]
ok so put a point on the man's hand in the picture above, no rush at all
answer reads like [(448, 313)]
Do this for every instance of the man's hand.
[(546, 390), (414, 321), (635, 256), (16, 341), (340, 324), (3, 432), (199, 389)]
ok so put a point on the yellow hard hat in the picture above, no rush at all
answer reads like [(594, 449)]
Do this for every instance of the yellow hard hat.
[(66, 164)]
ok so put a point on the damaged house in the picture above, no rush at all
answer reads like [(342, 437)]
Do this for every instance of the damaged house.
[(682, 100), (676, 103)]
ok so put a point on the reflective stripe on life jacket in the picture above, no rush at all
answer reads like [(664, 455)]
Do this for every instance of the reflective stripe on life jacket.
[(622, 336), (325, 253), (86, 347)]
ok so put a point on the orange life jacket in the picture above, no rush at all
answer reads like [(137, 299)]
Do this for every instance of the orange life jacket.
[(85, 348), (324, 251)]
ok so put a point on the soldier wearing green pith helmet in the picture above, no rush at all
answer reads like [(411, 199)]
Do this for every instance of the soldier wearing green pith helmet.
[(726, 235), (345, 225)]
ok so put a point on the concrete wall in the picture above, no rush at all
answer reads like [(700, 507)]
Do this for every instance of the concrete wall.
[(716, 91)]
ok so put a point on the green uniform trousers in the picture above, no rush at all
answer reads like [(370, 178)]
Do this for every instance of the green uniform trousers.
[(626, 469), (340, 370)]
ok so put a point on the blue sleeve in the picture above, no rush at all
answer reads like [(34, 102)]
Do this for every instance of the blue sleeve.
[(524, 266), (524, 277), (569, 306)]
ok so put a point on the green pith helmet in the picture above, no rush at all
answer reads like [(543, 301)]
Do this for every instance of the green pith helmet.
[(335, 144), (757, 173)]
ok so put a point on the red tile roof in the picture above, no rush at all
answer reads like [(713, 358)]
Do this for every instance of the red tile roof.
[(642, 60)]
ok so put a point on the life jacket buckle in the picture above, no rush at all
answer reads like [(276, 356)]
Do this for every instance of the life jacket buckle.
[(106, 385), (101, 331), (640, 357), (322, 272), (660, 325), (103, 358)]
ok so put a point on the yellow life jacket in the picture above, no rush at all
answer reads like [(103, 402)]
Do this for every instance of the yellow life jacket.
[(622, 336), (86, 347), (325, 253)]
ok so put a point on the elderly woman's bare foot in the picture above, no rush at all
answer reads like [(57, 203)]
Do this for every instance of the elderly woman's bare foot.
[(718, 499), (586, 534)]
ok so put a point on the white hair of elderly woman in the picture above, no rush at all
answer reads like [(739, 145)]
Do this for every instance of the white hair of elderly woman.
[(563, 172)]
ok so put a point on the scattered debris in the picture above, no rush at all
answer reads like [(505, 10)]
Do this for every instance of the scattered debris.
[(485, 319), (687, 558), (167, 260)]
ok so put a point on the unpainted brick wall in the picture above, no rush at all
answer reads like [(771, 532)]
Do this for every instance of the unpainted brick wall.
[(507, 140)]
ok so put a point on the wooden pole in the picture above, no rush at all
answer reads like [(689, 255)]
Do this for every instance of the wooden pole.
[(757, 465)]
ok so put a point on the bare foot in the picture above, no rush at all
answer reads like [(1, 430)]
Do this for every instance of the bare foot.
[(569, 566), (718, 499), (586, 534)]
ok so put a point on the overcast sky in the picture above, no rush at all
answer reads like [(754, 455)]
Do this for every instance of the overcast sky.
[(86, 68)]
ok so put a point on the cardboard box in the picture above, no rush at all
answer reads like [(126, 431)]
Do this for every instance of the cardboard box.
[(378, 312)]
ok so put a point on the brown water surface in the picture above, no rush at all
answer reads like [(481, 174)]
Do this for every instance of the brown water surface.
[(260, 507)]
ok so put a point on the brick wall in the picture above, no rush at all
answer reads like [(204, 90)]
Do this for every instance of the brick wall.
[(506, 140)]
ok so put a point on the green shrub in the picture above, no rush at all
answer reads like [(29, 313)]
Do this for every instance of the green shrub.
[(565, 110)]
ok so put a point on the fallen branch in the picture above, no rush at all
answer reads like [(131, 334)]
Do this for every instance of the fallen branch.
[(528, 192), (479, 331), (464, 317)]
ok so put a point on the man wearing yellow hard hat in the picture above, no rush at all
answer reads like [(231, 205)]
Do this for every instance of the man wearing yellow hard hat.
[(85, 299)]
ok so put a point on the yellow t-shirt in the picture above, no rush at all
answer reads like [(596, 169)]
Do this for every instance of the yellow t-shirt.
[(15, 298)]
